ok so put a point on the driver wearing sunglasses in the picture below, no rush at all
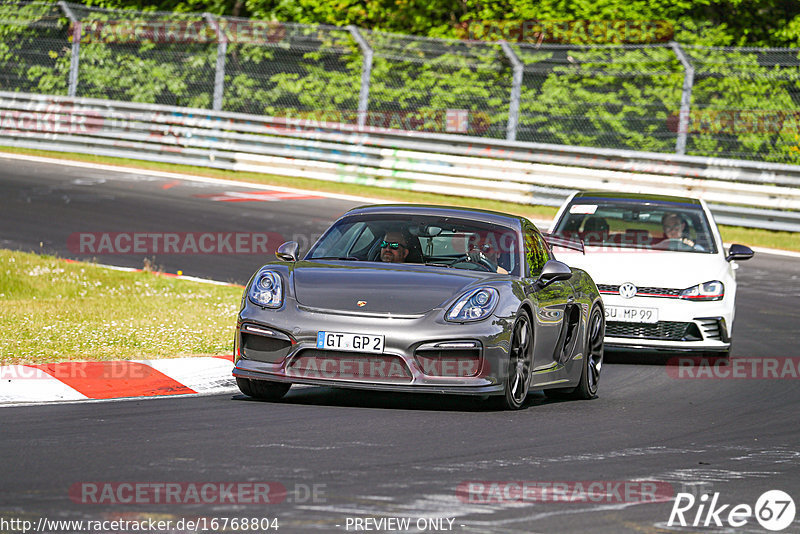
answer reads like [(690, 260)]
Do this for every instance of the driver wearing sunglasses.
[(394, 247)]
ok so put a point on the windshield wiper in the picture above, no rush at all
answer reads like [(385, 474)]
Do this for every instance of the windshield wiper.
[(439, 264), (343, 258)]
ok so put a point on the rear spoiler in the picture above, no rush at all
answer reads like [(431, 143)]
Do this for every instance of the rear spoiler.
[(563, 242)]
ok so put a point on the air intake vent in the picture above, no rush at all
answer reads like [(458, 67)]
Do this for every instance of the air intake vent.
[(710, 329), (666, 330), (449, 363), (265, 345), (339, 365), (713, 328)]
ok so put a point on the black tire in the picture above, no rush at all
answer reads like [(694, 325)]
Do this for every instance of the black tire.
[(592, 356), (591, 364), (519, 364), (262, 389)]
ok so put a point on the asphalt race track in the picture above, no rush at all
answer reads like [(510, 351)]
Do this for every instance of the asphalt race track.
[(375, 455)]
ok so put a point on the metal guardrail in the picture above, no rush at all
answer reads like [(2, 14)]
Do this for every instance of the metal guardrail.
[(741, 193), (540, 85)]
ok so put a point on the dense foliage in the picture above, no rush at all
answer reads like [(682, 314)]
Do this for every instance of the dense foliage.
[(745, 102), (770, 23)]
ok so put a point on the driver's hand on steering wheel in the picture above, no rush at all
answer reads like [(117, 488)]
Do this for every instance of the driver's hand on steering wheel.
[(477, 256)]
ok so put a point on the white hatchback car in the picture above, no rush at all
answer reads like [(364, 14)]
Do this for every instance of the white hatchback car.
[(659, 263)]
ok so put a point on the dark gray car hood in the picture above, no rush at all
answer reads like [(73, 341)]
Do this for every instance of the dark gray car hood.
[(400, 289)]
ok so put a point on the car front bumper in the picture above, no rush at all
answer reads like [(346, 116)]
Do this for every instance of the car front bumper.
[(683, 326), (421, 353)]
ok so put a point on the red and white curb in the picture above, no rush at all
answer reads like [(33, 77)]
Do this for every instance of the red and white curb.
[(117, 379), (81, 381)]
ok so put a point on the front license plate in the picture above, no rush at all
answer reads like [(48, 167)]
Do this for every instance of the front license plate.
[(350, 342), (630, 314)]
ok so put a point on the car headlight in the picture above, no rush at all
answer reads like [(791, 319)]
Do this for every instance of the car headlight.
[(707, 291), (474, 306), (267, 289)]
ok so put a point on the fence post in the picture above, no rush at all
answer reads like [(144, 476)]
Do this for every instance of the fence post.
[(219, 71), (366, 73), (76, 48), (516, 91), (686, 98)]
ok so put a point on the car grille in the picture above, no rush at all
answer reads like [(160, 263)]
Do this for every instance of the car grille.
[(449, 363), (340, 365), (664, 292), (665, 330)]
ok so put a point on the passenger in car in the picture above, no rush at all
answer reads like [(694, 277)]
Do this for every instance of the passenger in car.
[(595, 230), (490, 254)]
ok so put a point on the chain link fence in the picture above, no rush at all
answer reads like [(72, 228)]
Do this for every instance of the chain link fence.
[(415, 81), (291, 70), (741, 103), (35, 48), (600, 96)]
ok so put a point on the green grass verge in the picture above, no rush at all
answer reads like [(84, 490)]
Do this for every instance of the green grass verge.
[(52, 310), (730, 234), (755, 237)]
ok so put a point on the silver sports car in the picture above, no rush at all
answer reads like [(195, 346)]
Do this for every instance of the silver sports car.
[(422, 299)]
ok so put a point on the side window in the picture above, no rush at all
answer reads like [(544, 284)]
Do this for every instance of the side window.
[(536, 252)]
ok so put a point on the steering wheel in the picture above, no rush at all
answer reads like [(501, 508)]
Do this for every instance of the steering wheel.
[(479, 260), (675, 244)]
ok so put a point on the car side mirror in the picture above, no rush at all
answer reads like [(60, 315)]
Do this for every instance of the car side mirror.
[(739, 252), (553, 271), (288, 251)]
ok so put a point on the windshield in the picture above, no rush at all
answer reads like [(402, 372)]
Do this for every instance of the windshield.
[(440, 241), (637, 225)]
